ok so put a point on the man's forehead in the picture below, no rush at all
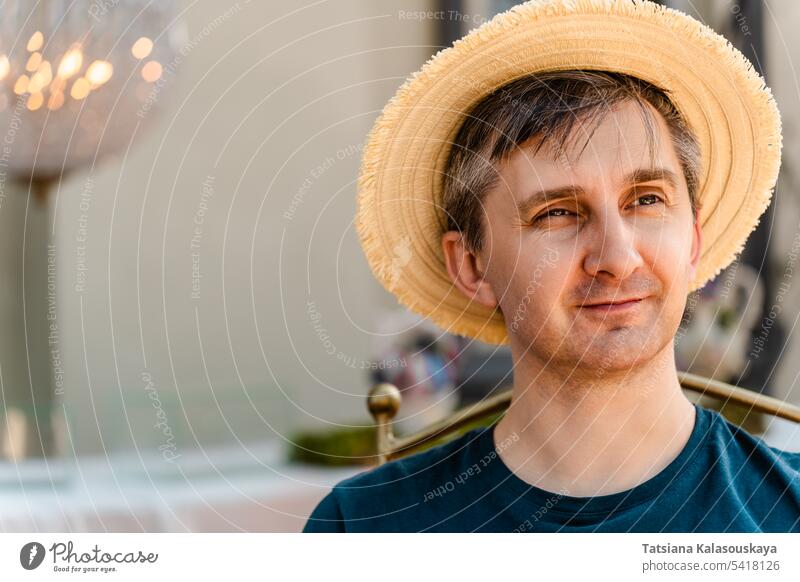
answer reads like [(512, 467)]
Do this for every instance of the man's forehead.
[(629, 133), (619, 151)]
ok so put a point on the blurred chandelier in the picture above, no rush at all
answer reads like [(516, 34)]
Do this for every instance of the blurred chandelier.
[(78, 78)]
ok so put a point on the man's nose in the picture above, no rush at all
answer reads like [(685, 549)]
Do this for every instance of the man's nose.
[(611, 247)]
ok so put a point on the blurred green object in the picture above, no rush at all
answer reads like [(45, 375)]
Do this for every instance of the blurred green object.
[(336, 447), (355, 445)]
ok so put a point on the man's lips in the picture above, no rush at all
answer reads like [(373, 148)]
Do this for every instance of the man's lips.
[(615, 307)]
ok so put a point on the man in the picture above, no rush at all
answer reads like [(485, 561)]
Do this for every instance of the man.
[(571, 208)]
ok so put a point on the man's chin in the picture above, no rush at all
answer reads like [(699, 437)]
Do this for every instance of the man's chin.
[(614, 350), (610, 350)]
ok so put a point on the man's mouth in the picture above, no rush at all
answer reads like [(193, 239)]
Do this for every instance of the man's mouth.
[(614, 307)]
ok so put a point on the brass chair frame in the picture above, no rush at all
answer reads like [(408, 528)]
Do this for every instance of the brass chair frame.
[(384, 402)]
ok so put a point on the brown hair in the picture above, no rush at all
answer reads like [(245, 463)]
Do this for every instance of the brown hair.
[(547, 106)]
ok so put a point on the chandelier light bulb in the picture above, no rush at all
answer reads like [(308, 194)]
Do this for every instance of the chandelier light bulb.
[(80, 89), (55, 101), (151, 71), (35, 101), (99, 72), (35, 42), (21, 86), (5, 67), (70, 63), (142, 48), (33, 62)]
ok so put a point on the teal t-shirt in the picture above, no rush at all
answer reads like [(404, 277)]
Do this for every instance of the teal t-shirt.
[(724, 480)]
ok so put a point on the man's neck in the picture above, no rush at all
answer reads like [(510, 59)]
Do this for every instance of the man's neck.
[(598, 436)]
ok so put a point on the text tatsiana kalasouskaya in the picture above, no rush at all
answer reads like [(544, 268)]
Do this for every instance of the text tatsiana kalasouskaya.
[(709, 549)]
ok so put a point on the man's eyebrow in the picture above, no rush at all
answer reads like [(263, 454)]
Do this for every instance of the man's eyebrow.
[(637, 176)]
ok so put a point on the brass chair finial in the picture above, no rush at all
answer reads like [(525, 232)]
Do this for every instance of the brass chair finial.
[(383, 403)]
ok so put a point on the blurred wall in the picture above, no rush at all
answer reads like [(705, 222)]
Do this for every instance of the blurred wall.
[(782, 49), (224, 295)]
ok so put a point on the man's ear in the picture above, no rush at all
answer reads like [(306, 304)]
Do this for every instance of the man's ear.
[(697, 247), (467, 270)]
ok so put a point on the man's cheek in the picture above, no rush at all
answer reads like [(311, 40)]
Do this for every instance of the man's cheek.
[(671, 263)]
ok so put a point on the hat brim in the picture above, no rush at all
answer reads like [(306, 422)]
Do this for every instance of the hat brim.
[(399, 216)]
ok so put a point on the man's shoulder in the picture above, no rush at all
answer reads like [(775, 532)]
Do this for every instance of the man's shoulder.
[(731, 440), (416, 470), (394, 496)]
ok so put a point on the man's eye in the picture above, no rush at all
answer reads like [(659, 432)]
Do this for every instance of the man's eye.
[(549, 214), (655, 199), (558, 212)]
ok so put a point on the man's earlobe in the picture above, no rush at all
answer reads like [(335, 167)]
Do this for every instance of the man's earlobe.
[(466, 270)]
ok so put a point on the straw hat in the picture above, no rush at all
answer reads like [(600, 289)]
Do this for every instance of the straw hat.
[(399, 218)]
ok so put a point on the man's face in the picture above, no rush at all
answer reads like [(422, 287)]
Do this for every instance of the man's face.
[(609, 239)]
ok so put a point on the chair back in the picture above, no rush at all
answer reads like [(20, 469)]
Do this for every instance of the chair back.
[(384, 402)]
